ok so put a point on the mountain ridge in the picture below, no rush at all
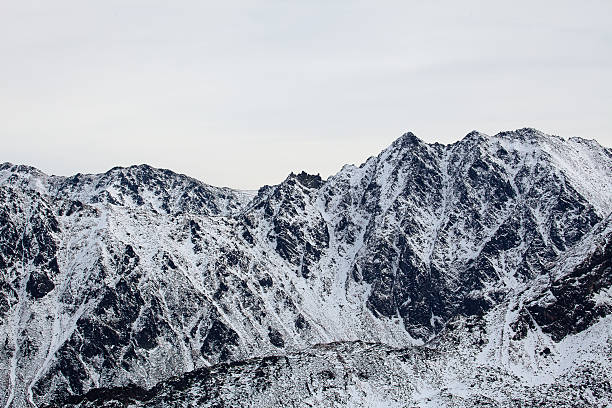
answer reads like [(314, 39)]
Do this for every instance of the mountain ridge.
[(518, 132), (136, 274)]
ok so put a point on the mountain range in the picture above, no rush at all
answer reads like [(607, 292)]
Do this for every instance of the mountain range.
[(477, 273)]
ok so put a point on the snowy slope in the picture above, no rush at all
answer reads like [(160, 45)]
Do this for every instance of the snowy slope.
[(357, 374), (127, 278)]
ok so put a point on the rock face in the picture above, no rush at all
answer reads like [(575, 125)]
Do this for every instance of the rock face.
[(437, 262)]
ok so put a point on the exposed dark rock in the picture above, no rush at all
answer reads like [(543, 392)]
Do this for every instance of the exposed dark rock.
[(219, 341), (569, 305), (276, 338), (39, 285)]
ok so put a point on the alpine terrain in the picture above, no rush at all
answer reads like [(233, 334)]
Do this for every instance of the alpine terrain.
[(477, 273)]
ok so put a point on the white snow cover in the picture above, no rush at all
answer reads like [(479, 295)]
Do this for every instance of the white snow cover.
[(186, 235)]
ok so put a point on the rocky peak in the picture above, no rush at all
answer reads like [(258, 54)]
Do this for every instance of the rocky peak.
[(407, 139), (307, 180), (474, 137), (127, 278)]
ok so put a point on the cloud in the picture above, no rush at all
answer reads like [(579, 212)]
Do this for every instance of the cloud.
[(240, 93)]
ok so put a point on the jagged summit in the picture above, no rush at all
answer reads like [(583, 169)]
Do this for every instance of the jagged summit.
[(525, 133), (307, 180), (448, 253), (407, 139), (475, 135)]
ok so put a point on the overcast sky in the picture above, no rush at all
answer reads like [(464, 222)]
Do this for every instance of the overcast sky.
[(240, 93)]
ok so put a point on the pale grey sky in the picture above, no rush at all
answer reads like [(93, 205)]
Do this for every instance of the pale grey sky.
[(240, 93)]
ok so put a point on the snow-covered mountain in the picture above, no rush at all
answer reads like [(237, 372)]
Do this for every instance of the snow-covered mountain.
[(452, 275)]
